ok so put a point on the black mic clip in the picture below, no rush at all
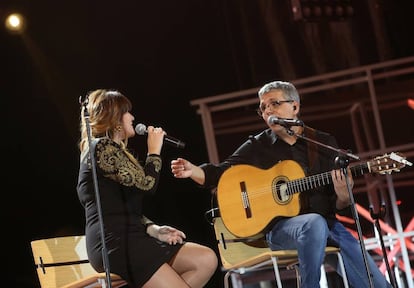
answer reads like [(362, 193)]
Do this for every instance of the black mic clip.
[(83, 100), (380, 214)]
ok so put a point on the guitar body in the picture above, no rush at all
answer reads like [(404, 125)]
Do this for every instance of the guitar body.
[(249, 197)]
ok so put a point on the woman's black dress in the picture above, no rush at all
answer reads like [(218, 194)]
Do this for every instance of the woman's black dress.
[(122, 182)]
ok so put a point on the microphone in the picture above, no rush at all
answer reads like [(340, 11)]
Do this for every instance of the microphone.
[(141, 129), (272, 120)]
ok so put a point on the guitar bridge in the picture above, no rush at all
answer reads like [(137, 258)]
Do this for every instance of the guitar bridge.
[(245, 200)]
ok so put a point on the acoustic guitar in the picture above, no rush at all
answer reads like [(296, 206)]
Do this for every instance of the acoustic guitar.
[(249, 198)]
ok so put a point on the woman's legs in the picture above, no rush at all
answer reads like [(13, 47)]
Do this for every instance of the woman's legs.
[(193, 266), (195, 263), (166, 277)]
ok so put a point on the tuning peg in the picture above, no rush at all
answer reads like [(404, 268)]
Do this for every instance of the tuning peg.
[(394, 156)]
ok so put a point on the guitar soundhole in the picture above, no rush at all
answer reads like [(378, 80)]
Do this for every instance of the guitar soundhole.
[(280, 191)]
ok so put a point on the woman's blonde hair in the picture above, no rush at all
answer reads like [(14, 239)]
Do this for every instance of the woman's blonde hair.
[(105, 109)]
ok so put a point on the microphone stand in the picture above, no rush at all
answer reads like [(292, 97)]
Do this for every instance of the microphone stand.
[(105, 258), (376, 217), (342, 161)]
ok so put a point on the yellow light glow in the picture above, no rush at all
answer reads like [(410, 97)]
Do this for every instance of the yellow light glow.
[(15, 22)]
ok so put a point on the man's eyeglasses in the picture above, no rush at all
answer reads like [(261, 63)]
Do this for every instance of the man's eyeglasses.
[(273, 104)]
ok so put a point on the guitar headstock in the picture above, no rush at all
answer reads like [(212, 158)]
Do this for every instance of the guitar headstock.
[(388, 163)]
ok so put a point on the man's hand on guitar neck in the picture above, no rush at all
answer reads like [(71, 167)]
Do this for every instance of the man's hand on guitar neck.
[(341, 189)]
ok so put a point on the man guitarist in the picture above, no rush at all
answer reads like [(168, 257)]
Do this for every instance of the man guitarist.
[(314, 225)]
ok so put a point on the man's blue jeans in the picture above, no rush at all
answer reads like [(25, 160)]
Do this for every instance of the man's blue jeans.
[(310, 234)]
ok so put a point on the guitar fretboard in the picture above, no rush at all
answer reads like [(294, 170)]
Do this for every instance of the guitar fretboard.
[(319, 180)]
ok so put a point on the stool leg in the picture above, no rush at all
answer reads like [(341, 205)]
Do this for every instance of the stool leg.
[(298, 280), (276, 270), (323, 282), (342, 268)]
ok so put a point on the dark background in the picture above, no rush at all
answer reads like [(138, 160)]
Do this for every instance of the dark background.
[(162, 55)]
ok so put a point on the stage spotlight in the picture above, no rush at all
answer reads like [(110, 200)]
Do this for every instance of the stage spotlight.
[(410, 103), (15, 23)]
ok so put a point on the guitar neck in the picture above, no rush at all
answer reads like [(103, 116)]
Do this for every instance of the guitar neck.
[(319, 180)]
